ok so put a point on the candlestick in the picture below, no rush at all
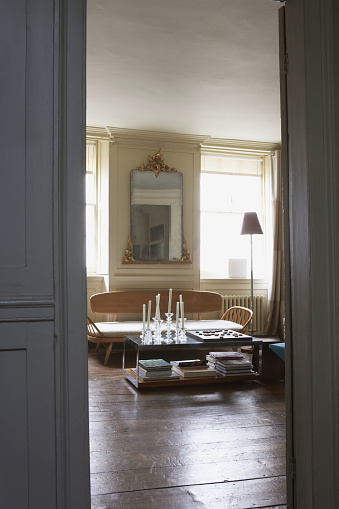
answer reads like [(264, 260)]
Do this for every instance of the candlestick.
[(182, 332), (169, 300), (168, 327), (156, 306), (149, 313)]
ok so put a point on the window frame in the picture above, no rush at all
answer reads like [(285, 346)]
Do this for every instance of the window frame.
[(265, 157), (93, 204)]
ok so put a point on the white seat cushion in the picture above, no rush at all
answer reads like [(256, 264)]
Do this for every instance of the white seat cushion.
[(120, 329)]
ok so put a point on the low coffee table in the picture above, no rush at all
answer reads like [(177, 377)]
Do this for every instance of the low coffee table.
[(196, 340)]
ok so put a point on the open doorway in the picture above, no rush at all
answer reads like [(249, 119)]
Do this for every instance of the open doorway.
[(135, 101)]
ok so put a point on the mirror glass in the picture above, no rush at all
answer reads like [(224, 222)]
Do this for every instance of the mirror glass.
[(156, 216)]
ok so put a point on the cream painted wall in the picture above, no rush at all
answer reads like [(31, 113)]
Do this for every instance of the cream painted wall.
[(128, 149)]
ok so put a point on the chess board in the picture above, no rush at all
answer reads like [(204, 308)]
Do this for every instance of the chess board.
[(218, 335)]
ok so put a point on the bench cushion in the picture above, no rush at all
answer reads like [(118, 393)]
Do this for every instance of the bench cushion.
[(279, 349), (120, 329)]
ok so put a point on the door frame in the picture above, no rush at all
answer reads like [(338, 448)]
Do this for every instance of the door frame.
[(69, 230), (312, 158), (312, 109)]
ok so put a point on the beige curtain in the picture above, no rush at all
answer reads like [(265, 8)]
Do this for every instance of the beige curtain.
[(275, 290)]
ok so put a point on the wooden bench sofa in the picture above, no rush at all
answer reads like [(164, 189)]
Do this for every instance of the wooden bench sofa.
[(125, 307)]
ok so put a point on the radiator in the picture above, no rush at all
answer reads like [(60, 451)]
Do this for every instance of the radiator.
[(245, 301)]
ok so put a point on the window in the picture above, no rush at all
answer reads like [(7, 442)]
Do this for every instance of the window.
[(91, 207), (230, 186), (97, 194)]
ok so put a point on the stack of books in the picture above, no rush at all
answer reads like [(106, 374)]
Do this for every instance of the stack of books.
[(229, 363), (193, 368), (155, 369)]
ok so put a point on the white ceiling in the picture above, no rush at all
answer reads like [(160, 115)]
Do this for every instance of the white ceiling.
[(206, 67)]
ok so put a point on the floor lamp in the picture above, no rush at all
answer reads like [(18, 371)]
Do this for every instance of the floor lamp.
[(251, 226)]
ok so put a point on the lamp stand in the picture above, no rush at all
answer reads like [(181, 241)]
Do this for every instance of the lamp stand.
[(251, 330), (250, 226)]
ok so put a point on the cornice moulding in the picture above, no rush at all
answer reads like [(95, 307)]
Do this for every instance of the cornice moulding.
[(97, 133), (207, 143), (121, 134)]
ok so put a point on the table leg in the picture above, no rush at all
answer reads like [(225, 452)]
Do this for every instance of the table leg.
[(256, 358)]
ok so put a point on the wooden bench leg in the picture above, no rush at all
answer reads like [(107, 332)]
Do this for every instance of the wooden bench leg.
[(108, 353)]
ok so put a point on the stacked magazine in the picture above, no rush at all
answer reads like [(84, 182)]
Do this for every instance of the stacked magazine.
[(155, 369), (229, 363), (194, 368)]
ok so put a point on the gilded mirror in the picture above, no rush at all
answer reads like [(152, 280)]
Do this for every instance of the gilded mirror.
[(156, 214)]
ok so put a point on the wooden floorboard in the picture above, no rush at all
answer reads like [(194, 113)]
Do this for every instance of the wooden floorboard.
[(194, 447)]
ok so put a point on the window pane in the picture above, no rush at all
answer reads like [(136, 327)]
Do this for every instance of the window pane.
[(90, 188), (224, 199), (90, 238), (91, 206), (90, 157), (230, 193), (221, 240)]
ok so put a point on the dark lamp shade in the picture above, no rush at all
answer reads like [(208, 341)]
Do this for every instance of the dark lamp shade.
[(250, 224)]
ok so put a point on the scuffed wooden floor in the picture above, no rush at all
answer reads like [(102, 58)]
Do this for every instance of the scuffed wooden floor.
[(212, 447)]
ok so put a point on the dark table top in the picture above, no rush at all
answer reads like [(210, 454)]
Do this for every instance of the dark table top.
[(193, 342)]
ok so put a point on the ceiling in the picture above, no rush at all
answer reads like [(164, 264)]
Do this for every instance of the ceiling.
[(203, 67)]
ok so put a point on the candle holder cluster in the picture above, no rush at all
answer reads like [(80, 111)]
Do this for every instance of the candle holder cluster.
[(153, 335)]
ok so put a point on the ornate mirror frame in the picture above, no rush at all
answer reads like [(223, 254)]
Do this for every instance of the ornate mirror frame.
[(157, 165)]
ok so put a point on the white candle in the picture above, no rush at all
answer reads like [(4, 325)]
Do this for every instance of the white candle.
[(180, 298), (182, 315), (149, 313), (157, 312), (177, 316), (169, 300), (143, 315)]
